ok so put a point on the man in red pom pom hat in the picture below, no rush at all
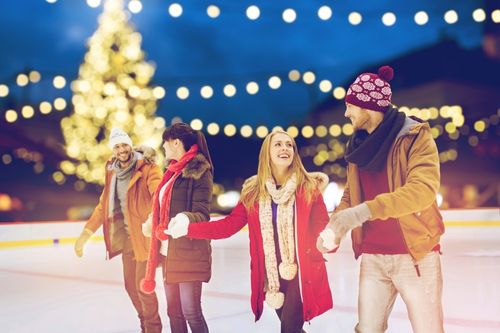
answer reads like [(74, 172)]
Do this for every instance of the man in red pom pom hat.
[(125, 203), (389, 203)]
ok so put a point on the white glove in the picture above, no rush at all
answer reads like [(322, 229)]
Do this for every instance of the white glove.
[(328, 239), (348, 219), (178, 226), (147, 226)]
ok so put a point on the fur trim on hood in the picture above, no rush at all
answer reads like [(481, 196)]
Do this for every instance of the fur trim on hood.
[(196, 167)]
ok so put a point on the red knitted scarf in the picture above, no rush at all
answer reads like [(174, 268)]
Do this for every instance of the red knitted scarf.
[(161, 214)]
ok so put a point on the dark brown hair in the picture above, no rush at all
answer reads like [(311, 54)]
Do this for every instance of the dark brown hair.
[(188, 136)]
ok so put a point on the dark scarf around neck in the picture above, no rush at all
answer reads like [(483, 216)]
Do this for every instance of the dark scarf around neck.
[(369, 151)]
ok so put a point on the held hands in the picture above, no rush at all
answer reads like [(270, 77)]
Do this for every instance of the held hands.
[(178, 226), (349, 218), (327, 241), (80, 242)]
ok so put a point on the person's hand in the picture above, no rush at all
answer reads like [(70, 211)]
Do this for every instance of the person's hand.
[(178, 226), (345, 220), (80, 242), (147, 226), (148, 153), (327, 240)]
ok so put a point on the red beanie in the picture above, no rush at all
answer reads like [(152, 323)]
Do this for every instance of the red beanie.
[(371, 91)]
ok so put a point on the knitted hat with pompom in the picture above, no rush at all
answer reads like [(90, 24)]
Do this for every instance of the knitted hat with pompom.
[(372, 91)]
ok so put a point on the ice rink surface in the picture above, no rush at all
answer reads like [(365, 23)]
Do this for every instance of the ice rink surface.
[(48, 289)]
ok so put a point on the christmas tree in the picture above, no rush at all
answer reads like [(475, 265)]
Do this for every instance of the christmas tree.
[(112, 90)]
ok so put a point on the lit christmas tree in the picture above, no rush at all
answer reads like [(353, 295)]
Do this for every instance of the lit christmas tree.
[(112, 90)]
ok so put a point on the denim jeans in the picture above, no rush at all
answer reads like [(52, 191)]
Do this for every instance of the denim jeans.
[(383, 277), (184, 304), (146, 305), (291, 313)]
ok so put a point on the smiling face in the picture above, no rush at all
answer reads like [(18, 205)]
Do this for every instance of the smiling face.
[(358, 116), (281, 151), (123, 153)]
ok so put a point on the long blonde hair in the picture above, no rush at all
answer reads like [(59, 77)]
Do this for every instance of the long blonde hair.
[(255, 187)]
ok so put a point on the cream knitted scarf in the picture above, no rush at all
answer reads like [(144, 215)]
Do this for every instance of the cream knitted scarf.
[(285, 199)]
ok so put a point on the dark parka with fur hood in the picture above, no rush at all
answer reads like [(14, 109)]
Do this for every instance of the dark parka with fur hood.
[(190, 259)]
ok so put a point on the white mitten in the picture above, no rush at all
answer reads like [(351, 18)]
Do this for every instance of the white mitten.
[(178, 226), (349, 218), (329, 240), (147, 226)]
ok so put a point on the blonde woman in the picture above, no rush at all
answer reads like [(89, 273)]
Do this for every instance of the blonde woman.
[(285, 213)]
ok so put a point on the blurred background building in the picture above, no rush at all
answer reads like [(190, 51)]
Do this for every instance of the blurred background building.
[(72, 69)]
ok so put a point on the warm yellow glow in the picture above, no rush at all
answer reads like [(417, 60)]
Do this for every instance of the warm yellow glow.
[(22, 80), (213, 11), (246, 131), (6, 159), (252, 88), (67, 167), (421, 18), (4, 90), (459, 120), (60, 104), (444, 111), (450, 127), (389, 19), (35, 76), (158, 92), (294, 75), (480, 126), (434, 132), (495, 16), (325, 86), (292, 131), (307, 131), (309, 77), (213, 129), (10, 116), (355, 18), (339, 93), (112, 89), (261, 131), (182, 93), (434, 113), (274, 82), (347, 129), (324, 13), (321, 131), (175, 10), (206, 92), (59, 82), (229, 90), (451, 17), (479, 15), (289, 15), (59, 177), (230, 130), (335, 130), (45, 107), (277, 128), (27, 111), (253, 12), (196, 124)]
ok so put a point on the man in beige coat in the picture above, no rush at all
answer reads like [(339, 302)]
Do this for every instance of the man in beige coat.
[(124, 205), (390, 203)]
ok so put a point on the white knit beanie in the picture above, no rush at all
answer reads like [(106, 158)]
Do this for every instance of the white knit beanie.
[(118, 136)]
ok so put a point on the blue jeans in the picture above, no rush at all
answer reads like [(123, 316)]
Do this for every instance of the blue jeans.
[(184, 304)]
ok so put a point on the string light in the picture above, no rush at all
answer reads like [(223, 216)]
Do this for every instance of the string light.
[(289, 15), (213, 11), (355, 18), (324, 13), (253, 12), (451, 17), (175, 10)]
